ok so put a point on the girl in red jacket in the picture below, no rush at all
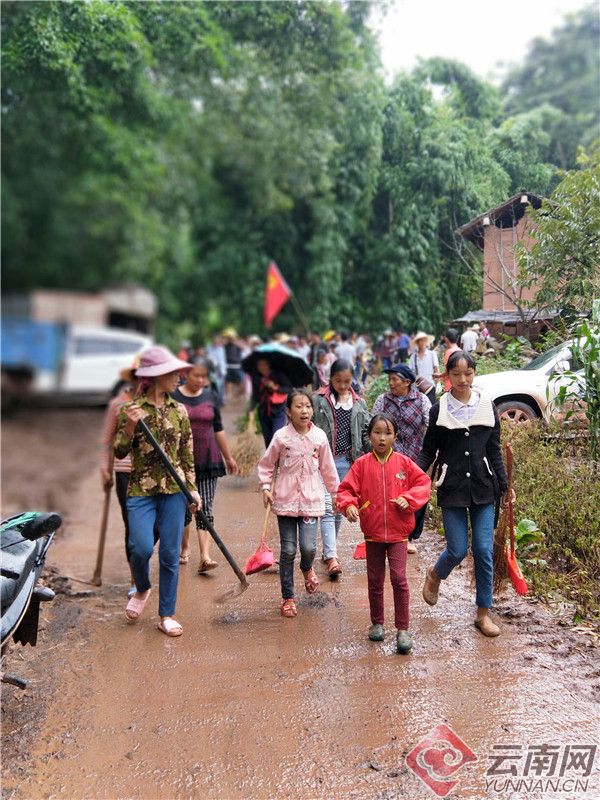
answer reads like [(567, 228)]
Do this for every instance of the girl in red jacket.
[(383, 490)]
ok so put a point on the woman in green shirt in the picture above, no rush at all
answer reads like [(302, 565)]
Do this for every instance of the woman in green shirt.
[(152, 494)]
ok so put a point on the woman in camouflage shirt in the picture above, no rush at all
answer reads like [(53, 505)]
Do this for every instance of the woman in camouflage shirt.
[(152, 494)]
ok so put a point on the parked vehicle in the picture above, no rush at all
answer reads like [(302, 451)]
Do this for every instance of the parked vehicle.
[(522, 395), (68, 362), (24, 540)]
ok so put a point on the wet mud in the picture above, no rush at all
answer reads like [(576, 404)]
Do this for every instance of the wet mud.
[(247, 704)]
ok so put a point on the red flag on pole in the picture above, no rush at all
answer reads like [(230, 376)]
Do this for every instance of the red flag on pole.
[(277, 293)]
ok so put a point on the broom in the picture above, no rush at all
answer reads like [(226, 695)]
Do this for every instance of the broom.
[(514, 571), (361, 547), (247, 451), (263, 557), (500, 563), (361, 551)]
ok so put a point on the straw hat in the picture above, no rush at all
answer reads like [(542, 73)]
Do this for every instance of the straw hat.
[(475, 326), (422, 335), (229, 333), (157, 361), (129, 374)]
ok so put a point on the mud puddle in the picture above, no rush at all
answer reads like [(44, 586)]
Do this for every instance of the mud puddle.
[(247, 704)]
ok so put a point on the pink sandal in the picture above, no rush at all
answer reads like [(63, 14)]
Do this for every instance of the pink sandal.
[(170, 627), (135, 606), (333, 568), (311, 582), (288, 608)]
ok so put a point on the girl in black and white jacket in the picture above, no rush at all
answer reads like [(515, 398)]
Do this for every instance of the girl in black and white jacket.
[(463, 438)]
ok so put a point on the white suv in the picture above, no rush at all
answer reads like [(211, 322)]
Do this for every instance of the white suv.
[(94, 357), (521, 395)]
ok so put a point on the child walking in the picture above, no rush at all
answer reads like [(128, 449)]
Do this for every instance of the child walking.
[(344, 417), (383, 490), (464, 436), (303, 455)]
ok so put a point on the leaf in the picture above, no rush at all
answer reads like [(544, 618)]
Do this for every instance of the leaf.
[(527, 525)]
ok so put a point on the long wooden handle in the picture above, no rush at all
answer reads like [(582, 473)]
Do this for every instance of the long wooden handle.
[(269, 504), (511, 519), (205, 521), (264, 533), (97, 577)]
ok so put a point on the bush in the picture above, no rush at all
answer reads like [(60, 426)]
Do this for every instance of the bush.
[(379, 386), (559, 488)]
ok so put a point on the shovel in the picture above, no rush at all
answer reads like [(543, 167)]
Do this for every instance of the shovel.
[(235, 591)]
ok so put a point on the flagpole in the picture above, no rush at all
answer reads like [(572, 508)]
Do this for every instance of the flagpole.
[(299, 311)]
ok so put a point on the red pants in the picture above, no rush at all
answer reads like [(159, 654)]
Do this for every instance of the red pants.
[(396, 553)]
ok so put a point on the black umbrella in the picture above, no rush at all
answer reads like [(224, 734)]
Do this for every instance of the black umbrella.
[(282, 359)]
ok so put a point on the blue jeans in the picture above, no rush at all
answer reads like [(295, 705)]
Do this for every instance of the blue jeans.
[(330, 522), (269, 423), (457, 544), (169, 511), (291, 531)]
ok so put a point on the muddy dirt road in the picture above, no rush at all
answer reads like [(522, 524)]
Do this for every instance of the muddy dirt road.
[(247, 704)]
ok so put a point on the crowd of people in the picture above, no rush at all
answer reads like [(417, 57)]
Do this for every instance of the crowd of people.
[(327, 456)]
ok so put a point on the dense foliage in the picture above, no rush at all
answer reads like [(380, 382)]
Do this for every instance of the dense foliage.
[(558, 83), (183, 145), (564, 261), (558, 489)]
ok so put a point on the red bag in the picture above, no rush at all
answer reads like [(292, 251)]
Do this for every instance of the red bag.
[(263, 558), (275, 398)]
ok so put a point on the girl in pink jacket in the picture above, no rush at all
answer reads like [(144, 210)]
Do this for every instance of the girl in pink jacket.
[(302, 454), (383, 490)]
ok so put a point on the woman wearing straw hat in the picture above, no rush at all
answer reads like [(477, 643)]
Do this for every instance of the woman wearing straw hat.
[(152, 494), (423, 361)]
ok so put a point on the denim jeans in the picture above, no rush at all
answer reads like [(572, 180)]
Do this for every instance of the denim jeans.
[(330, 522), (169, 511), (269, 423), (482, 543), (294, 530)]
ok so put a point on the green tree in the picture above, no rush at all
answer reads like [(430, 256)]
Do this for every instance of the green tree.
[(436, 173), (564, 261), (561, 73)]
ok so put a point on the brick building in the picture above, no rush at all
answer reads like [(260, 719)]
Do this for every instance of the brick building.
[(495, 233)]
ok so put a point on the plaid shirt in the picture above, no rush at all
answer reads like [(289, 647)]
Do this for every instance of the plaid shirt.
[(171, 427), (411, 413)]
